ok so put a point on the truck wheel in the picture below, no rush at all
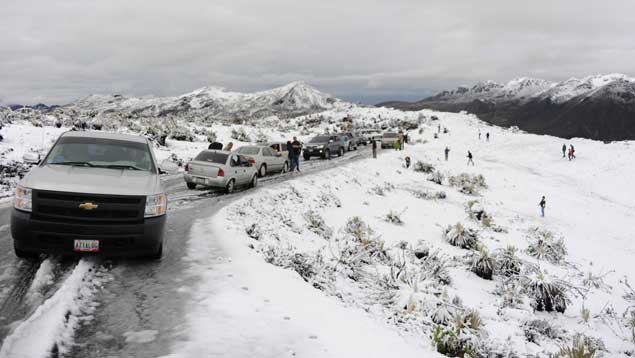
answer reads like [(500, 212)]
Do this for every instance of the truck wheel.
[(254, 182), (191, 186), (262, 171), (24, 254), (341, 152), (157, 254), (229, 188), (306, 157)]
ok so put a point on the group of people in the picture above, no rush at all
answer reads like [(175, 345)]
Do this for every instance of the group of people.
[(294, 149), (401, 140), (570, 153), (486, 136)]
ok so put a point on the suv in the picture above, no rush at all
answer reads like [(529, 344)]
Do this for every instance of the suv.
[(93, 192), (324, 146)]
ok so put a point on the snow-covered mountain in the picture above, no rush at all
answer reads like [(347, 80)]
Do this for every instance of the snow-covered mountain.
[(293, 99), (597, 107)]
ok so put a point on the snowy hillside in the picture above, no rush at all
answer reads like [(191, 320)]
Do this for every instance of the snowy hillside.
[(325, 259), (213, 102)]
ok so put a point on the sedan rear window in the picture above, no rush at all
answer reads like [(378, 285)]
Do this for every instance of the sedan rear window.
[(212, 157)]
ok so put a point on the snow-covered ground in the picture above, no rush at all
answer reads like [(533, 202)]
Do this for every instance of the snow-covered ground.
[(353, 261)]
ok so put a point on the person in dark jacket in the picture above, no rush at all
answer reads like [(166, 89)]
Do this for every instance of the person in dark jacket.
[(470, 158), (374, 148), (542, 204), (447, 153), (564, 150), (296, 150)]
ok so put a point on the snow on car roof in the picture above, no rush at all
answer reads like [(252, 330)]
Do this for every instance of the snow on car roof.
[(105, 135)]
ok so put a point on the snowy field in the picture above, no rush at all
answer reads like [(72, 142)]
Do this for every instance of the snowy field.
[(357, 262)]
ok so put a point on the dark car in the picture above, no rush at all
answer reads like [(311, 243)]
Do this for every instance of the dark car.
[(324, 146)]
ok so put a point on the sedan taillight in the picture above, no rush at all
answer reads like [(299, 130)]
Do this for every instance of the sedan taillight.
[(221, 172)]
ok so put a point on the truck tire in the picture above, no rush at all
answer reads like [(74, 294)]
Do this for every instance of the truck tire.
[(306, 157), (341, 152), (24, 254), (157, 255), (191, 186)]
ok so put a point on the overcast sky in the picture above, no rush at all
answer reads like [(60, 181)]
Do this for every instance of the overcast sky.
[(57, 51)]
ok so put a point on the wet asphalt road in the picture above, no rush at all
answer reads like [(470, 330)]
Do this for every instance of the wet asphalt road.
[(138, 295)]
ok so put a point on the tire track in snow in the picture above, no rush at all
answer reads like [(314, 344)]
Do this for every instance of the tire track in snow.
[(50, 329)]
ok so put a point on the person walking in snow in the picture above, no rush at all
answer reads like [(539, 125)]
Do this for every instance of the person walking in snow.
[(397, 144), (470, 158), (542, 205), (564, 150), (487, 136), (228, 147), (479, 135), (401, 139), (447, 153), (439, 129), (572, 151), (374, 148), (296, 150)]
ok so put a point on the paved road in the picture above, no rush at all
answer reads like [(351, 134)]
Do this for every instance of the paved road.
[(132, 296)]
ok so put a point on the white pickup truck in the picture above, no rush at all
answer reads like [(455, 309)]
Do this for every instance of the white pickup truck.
[(94, 192)]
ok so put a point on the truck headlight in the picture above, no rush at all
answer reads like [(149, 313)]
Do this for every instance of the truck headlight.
[(156, 205), (22, 199)]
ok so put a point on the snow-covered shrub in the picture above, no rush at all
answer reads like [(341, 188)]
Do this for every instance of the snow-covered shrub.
[(316, 224), (467, 183), (443, 314), (358, 229), (182, 133), (424, 194), (253, 231), (462, 338), (327, 199), (434, 267), (544, 246), (460, 236), (436, 177), (423, 167), (546, 294), (582, 347), (511, 292), (536, 329), (483, 264), (240, 135), (507, 263), (262, 137), (393, 217)]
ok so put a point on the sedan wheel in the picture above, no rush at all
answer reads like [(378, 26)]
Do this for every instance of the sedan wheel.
[(230, 187), (263, 170), (285, 167), (254, 181)]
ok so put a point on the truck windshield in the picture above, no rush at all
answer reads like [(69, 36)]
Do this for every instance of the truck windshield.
[(101, 153)]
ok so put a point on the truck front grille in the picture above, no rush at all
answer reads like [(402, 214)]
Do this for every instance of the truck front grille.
[(65, 207)]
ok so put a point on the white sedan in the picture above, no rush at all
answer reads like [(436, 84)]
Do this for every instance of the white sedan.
[(265, 159), (220, 169)]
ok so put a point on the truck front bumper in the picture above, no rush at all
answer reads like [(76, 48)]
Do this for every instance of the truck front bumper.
[(50, 237)]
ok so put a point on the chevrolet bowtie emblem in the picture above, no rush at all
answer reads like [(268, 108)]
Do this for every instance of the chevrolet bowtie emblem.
[(88, 206)]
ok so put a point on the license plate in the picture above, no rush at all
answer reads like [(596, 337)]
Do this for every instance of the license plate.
[(86, 246), (199, 180)]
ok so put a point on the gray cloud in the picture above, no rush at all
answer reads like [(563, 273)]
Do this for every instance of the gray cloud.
[(55, 52)]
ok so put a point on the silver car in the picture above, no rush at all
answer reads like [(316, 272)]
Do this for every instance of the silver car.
[(220, 169), (265, 159)]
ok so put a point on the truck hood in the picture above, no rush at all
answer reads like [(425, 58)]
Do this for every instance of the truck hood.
[(71, 179)]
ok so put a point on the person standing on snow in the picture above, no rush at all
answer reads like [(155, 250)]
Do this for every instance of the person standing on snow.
[(470, 158), (401, 139), (564, 150), (439, 129), (447, 152), (542, 205), (479, 134), (296, 150), (572, 151), (374, 148), (228, 147), (487, 136)]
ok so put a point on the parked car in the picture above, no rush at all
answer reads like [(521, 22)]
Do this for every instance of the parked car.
[(264, 159), (280, 147), (388, 139), (349, 143), (369, 135), (94, 192), (220, 169), (354, 140), (324, 146)]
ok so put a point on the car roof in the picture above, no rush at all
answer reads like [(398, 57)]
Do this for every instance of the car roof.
[(105, 135), (217, 151)]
